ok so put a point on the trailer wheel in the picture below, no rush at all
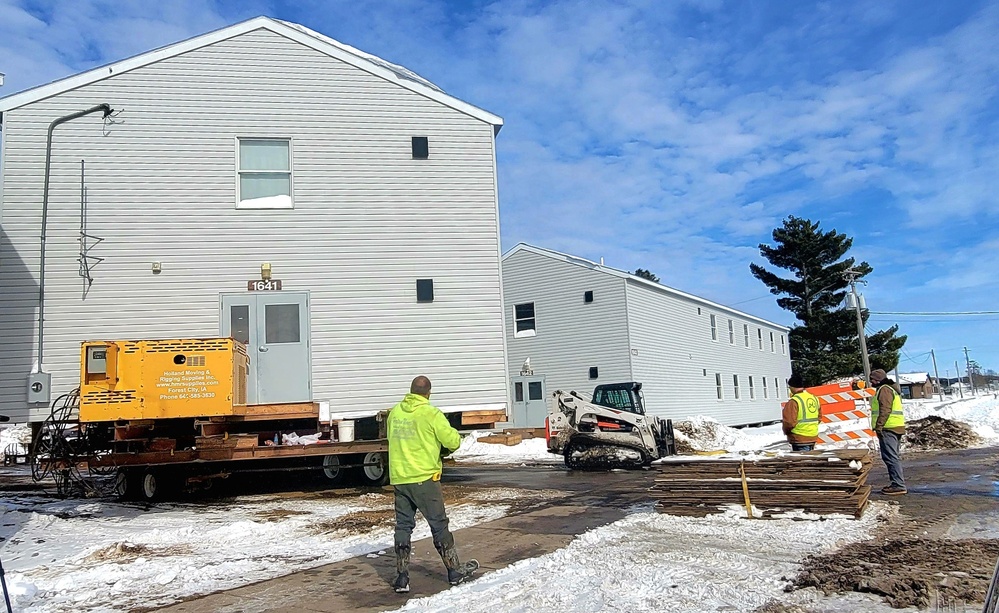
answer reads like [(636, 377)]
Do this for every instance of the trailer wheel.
[(125, 485), (375, 469), (152, 486), (332, 469)]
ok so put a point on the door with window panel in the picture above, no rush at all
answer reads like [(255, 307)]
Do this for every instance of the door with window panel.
[(529, 406), (274, 326)]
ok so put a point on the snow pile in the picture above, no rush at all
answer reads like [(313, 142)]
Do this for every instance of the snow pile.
[(981, 413), (15, 439), (661, 563), (532, 451), (706, 434)]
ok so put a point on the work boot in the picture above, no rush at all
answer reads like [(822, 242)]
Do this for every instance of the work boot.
[(894, 490), (456, 571), (401, 583)]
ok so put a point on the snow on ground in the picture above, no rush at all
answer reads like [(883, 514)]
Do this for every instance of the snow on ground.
[(15, 438), (78, 555), (102, 556), (661, 563), (528, 451), (980, 412)]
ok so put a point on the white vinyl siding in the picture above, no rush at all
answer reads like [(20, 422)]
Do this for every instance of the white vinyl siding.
[(368, 221), (573, 336)]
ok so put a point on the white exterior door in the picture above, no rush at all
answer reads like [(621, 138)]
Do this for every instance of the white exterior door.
[(274, 326), (529, 406)]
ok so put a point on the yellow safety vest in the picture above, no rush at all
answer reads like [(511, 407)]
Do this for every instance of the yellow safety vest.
[(896, 419), (808, 415)]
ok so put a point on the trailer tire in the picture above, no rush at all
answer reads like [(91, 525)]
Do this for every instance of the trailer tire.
[(332, 470), (153, 486), (125, 485), (375, 470)]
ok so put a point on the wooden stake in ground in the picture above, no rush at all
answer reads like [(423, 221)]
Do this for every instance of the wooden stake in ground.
[(745, 489)]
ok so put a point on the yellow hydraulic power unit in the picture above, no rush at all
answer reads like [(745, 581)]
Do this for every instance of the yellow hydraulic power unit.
[(161, 379)]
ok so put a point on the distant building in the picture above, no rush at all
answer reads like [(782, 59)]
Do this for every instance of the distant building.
[(915, 385), (573, 324)]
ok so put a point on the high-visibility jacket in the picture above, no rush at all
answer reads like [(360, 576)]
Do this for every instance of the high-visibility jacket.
[(896, 419), (416, 432), (808, 415)]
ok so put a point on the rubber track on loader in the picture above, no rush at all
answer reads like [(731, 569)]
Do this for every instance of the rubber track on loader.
[(593, 452)]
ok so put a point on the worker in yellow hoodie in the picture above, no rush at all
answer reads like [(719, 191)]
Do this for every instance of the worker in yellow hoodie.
[(418, 435)]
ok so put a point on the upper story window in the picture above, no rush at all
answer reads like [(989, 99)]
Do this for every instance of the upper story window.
[(759, 335), (264, 170), (783, 347), (523, 320), (773, 348), (731, 332), (745, 333), (714, 328)]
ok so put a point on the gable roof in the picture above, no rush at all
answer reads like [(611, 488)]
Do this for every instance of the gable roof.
[(909, 378), (310, 38), (578, 261)]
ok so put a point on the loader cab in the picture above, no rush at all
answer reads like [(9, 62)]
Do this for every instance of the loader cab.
[(621, 396)]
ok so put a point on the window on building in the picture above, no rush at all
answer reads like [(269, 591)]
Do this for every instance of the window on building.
[(264, 171), (735, 385), (523, 320), (765, 393), (783, 347), (588, 296), (714, 328), (718, 386), (421, 148), (773, 347), (731, 332), (518, 392), (745, 332), (593, 372), (424, 290), (776, 387), (752, 389), (759, 335)]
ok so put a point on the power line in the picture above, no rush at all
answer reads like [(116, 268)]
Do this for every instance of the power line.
[(925, 313)]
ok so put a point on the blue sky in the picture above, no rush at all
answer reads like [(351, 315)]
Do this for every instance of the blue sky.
[(674, 136)]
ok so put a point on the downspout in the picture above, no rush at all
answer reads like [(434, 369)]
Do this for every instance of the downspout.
[(106, 109)]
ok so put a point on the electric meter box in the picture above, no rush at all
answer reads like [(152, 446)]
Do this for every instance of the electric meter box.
[(162, 379)]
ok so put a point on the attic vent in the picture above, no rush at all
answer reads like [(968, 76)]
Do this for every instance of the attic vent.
[(421, 147)]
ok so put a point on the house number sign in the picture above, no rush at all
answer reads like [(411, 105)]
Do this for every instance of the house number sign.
[(263, 286)]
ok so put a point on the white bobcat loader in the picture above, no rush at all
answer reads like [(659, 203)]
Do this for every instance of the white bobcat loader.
[(610, 431)]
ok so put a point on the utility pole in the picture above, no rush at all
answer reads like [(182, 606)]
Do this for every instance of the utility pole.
[(851, 276), (960, 386), (967, 369), (936, 374)]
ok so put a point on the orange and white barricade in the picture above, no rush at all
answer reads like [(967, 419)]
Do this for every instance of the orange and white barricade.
[(838, 403)]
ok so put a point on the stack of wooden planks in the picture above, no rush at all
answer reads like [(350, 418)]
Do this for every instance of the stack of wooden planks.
[(820, 482)]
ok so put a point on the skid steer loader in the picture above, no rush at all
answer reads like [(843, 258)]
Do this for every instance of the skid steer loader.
[(609, 431)]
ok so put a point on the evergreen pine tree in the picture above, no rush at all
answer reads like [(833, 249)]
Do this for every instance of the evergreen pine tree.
[(824, 346)]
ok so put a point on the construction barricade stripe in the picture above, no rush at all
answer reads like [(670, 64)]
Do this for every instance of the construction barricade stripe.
[(850, 435), (844, 416)]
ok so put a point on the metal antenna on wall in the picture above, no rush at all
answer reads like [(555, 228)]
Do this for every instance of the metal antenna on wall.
[(87, 261)]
